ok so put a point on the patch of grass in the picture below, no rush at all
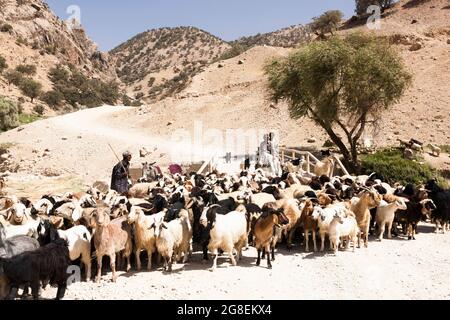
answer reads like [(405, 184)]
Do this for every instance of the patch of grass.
[(25, 118), (391, 164)]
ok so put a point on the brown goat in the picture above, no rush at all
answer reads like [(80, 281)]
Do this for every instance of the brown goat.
[(264, 232), (111, 237), (361, 208), (309, 224)]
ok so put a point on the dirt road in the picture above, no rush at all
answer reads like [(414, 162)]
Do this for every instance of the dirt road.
[(392, 269)]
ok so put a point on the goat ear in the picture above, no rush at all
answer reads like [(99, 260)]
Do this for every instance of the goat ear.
[(9, 214), (164, 226)]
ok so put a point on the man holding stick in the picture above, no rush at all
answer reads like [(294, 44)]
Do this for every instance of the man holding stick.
[(120, 174)]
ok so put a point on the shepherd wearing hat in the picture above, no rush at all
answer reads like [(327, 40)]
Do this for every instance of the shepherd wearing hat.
[(120, 174)]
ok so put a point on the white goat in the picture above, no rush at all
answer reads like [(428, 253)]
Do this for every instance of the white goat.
[(79, 240), (227, 233), (173, 239), (386, 213), (324, 218), (343, 228), (144, 233)]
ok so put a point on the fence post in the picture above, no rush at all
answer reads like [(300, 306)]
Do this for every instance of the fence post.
[(308, 163)]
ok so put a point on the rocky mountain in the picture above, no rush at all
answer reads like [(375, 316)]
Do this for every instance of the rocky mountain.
[(161, 62), (287, 38), (31, 34)]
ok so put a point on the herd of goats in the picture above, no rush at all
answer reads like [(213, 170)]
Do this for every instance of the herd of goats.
[(220, 213)]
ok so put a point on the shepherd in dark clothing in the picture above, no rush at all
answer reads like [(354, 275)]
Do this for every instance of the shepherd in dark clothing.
[(120, 174)]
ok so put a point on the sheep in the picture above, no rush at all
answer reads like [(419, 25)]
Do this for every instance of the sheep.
[(144, 234), (324, 218), (17, 215), (43, 206), (343, 228), (361, 208), (69, 210), (264, 233), (48, 263), (385, 215), (29, 229), (140, 190), (110, 237), (260, 199), (173, 239), (79, 244), (227, 233), (435, 150)]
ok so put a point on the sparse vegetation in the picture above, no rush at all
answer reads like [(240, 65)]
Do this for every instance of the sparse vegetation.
[(3, 64), (76, 89), (8, 114), (26, 69), (14, 77), (6, 28), (340, 83)]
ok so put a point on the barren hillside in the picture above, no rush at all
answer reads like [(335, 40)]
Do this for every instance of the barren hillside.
[(287, 38), (158, 63)]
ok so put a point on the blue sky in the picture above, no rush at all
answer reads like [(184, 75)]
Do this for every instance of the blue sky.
[(109, 23)]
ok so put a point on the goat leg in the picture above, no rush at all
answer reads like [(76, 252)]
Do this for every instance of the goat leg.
[(61, 291), (12, 293), (35, 284), (258, 260), (269, 264), (99, 268), (113, 266)]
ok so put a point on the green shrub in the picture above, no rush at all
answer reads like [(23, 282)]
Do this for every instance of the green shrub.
[(126, 100), (6, 27), (31, 88), (26, 69), (136, 103), (391, 164), (77, 89), (53, 98), (8, 114), (3, 64), (39, 109), (14, 77)]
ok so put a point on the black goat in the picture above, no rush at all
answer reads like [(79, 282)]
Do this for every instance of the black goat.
[(47, 264), (441, 198)]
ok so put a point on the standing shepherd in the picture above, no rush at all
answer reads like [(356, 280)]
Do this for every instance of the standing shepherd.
[(120, 174)]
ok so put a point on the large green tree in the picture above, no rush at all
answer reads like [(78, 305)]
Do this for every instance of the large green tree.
[(328, 22), (343, 84)]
